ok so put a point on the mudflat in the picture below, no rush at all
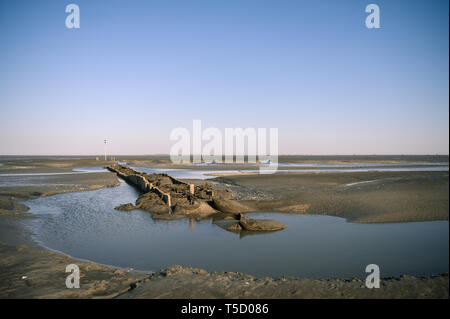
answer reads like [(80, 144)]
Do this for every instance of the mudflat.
[(358, 196), (30, 271)]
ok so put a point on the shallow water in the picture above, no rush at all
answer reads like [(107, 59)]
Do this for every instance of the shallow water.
[(355, 165), (206, 174), (93, 169), (187, 173), (85, 225)]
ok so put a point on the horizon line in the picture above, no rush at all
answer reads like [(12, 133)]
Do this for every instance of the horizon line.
[(165, 154)]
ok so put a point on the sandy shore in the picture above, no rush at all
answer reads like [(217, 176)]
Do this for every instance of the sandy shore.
[(358, 197), (179, 282), (399, 196)]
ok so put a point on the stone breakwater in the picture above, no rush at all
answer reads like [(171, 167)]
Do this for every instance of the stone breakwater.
[(166, 197)]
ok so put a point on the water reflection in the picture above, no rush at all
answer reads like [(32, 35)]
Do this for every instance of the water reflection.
[(85, 225)]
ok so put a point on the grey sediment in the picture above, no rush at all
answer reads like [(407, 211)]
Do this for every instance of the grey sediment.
[(44, 270)]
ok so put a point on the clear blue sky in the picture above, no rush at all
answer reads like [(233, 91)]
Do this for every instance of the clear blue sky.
[(137, 69)]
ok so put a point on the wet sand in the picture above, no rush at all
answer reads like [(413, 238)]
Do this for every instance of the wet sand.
[(30, 271), (394, 196), (359, 197), (179, 282)]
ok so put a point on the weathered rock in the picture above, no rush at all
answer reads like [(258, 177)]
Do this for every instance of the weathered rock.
[(261, 224), (202, 210), (163, 194), (159, 209), (234, 226), (230, 206), (128, 206), (240, 217), (231, 217), (152, 203), (182, 207), (238, 222)]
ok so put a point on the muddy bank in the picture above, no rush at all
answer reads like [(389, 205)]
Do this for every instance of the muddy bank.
[(359, 197), (36, 273), (163, 161), (179, 282), (42, 164), (12, 196)]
